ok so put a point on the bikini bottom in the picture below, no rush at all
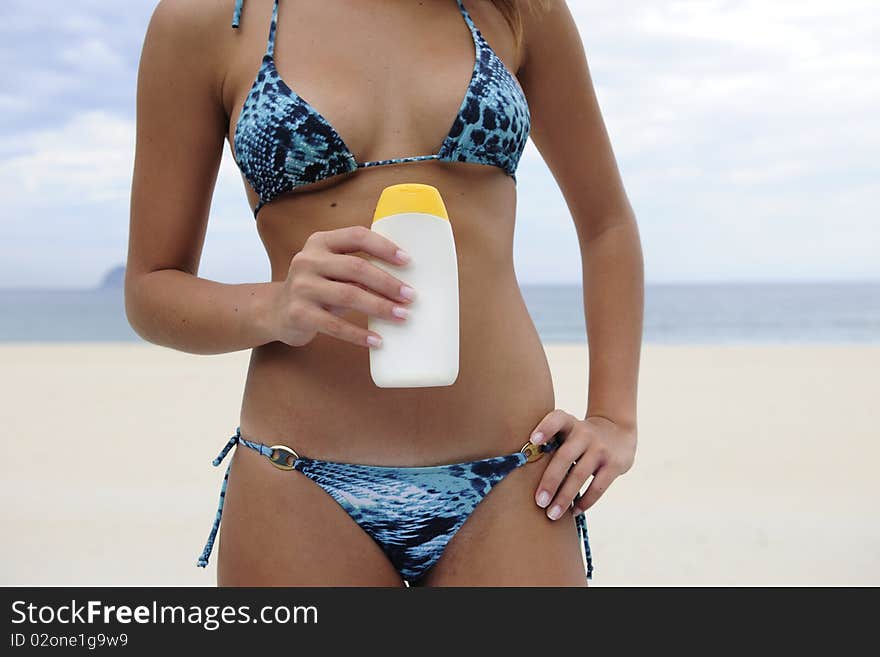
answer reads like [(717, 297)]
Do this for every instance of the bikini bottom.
[(412, 512)]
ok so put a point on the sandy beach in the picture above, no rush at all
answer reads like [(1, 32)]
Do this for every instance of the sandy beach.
[(756, 465)]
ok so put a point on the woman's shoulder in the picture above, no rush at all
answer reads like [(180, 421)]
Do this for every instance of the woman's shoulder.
[(549, 30), (194, 32), (186, 53), (193, 25)]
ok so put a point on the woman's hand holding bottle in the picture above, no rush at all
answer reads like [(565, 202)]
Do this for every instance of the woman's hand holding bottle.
[(325, 280)]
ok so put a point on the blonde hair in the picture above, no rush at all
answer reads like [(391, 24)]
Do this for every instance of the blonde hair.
[(512, 12)]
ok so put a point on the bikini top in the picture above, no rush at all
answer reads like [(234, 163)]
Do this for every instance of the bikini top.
[(281, 142)]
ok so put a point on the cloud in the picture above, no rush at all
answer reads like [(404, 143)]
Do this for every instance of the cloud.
[(93, 56), (87, 160), (63, 57), (745, 130)]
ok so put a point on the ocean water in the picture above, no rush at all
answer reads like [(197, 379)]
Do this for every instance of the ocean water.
[(727, 313), (674, 314)]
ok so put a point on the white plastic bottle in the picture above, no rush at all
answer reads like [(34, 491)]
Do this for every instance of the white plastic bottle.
[(422, 350)]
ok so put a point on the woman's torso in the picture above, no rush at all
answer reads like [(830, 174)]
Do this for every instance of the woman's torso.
[(392, 96)]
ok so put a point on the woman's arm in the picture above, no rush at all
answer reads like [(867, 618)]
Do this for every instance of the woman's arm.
[(181, 127), (569, 132)]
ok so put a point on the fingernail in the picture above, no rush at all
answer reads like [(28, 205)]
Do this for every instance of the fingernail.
[(373, 341), (537, 437), (555, 512), (400, 311), (543, 499), (402, 255), (407, 292)]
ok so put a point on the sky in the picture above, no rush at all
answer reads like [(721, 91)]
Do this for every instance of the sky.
[(746, 131)]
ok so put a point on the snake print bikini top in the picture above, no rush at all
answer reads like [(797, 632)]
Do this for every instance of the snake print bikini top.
[(281, 142)]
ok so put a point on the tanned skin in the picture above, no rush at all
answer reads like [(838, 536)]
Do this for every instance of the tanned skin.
[(308, 384)]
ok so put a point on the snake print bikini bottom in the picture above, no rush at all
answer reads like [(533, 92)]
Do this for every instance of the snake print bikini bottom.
[(412, 512)]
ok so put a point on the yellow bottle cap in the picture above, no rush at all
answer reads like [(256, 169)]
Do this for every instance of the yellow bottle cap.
[(410, 197)]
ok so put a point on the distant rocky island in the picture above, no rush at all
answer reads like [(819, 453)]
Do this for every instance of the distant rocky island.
[(114, 278)]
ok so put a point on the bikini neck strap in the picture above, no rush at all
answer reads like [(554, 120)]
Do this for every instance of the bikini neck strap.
[(273, 26)]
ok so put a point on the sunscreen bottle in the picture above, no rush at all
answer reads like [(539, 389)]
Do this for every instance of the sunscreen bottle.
[(422, 350)]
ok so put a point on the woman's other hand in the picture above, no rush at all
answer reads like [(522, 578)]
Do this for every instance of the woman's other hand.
[(595, 446)]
